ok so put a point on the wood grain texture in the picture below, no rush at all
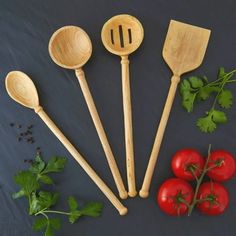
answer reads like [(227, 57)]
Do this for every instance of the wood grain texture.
[(127, 107), (101, 133), (21, 88), (183, 51), (86, 167), (122, 35), (70, 47)]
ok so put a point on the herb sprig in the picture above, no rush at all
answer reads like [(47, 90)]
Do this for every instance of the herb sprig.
[(41, 202), (196, 89)]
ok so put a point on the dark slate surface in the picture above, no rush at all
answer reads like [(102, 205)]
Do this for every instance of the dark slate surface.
[(25, 28)]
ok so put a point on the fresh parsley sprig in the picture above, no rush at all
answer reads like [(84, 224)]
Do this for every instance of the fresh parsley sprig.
[(41, 202), (196, 89)]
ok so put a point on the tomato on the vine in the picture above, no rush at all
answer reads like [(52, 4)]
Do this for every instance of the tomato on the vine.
[(224, 163), (186, 163), (174, 195), (213, 198)]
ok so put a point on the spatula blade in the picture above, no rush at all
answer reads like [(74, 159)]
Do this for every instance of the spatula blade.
[(185, 46)]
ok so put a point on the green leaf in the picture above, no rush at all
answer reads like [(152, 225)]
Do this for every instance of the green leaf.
[(195, 82), (42, 200), (93, 209), (225, 99), (206, 91), (209, 123), (53, 224), (45, 179), (188, 101), (27, 181), (206, 124), (38, 165), (185, 86), (73, 205), (219, 117), (221, 72), (19, 194), (55, 164), (40, 223), (74, 215)]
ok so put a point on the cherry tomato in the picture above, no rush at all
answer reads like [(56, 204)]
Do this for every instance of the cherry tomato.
[(171, 195), (186, 161), (216, 198), (225, 165)]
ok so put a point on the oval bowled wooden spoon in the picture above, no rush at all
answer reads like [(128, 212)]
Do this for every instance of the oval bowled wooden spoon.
[(183, 51), (21, 88), (70, 47), (122, 35)]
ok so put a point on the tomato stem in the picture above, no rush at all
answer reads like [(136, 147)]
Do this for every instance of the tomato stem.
[(199, 181)]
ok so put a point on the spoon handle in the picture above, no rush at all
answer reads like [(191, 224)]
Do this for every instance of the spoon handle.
[(144, 192), (101, 133), (87, 168), (128, 126)]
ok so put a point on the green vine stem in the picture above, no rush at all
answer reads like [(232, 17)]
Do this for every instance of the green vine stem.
[(200, 179)]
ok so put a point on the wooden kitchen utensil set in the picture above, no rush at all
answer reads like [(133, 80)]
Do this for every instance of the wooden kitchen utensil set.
[(70, 47)]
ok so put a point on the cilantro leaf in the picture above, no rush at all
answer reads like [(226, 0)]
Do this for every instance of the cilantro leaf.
[(53, 224), (218, 117), (206, 91), (45, 179), (195, 82), (55, 164), (209, 123), (73, 205), (74, 212), (38, 165), (27, 181), (225, 99), (188, 97), (206, 124), (50, 225), (92, 209), (18, 194), (221, 72), (40, 223), (42, 200)]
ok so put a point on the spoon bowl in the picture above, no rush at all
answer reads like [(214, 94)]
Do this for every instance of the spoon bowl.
[(70, 47), (122, 34), (22, 89)]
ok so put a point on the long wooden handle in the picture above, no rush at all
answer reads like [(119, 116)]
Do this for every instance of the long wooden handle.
[(87, 168), (128, 127), (101, 133), (144, 192)]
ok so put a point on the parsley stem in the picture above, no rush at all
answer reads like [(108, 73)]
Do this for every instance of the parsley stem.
[(58, 212)]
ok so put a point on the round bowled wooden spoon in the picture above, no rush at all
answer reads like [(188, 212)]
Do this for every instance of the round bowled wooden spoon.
[(70, 47), (21, 88), (122, 35)]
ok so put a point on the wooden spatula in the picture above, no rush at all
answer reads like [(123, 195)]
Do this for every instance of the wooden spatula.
[(183, 51)]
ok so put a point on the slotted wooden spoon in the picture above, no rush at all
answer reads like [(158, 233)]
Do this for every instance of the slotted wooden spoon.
[(183, 51), (122, 35), (70, 47), (22, 89)]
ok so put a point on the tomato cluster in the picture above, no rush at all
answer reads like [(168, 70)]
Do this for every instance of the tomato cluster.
[(176, 196)]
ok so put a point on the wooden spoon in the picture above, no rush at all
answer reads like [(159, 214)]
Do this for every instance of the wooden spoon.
[(70, 47), (21, 88), (122, 35), (183, 51)]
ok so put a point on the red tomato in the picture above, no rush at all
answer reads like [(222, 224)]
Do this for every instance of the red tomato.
[(217, 198), (171, 195), (186, 160), (226, 165)]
